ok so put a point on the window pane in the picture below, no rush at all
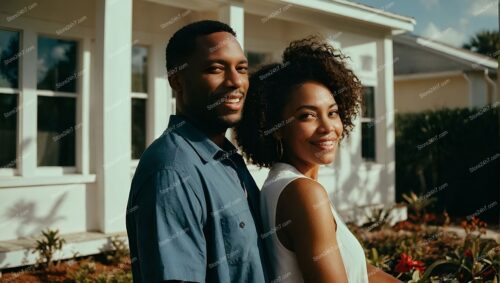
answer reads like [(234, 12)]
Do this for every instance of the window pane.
[(138, 127), (8, 121), (56, 131), (368, 105), (139, 69), (9, 58), (368, 140), (56, 64)]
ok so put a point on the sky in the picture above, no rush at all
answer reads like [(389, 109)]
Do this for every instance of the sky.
[(450, 21)]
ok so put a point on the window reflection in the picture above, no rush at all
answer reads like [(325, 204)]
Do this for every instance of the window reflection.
[(138, 127), (9, 58), (368, 124), (139, 69), (56, 65), (56, 131), (8, 121)]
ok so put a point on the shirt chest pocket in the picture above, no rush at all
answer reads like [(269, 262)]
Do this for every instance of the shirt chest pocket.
[(240, 235)]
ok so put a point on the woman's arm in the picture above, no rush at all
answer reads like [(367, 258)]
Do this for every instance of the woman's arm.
[(311, 233), (376, 275)]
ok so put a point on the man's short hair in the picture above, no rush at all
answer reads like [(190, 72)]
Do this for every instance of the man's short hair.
[(183, 43)]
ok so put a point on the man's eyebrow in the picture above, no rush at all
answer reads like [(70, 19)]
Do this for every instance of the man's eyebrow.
[(223, 62)]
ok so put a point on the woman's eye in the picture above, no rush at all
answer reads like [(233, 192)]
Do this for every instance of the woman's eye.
[(334, 113), (306, 116)]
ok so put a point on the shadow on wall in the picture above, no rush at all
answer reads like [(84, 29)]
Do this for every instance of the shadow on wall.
[(360, 188), (23, 213)]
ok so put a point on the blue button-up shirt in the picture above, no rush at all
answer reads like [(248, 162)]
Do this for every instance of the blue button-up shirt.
[(193, 212)]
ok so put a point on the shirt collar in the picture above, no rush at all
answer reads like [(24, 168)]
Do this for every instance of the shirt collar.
[(202, 145)]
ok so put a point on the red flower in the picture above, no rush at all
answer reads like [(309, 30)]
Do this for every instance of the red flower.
[(406, 264), (468, 253)]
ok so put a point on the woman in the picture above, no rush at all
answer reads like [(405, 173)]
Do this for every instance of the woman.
[(295, 115)]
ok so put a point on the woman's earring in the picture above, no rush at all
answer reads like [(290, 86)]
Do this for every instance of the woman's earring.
[(279, 149)]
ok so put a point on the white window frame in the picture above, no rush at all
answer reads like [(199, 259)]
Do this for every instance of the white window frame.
[(4, 172), (13, 91), (370, 120), (61, 170), (30, 30), (145, 96)]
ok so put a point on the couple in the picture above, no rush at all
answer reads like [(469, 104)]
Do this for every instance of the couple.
[(195, 213)]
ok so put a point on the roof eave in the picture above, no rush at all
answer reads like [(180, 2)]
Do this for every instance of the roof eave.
[(358, 12)]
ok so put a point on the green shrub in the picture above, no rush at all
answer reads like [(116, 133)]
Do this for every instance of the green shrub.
[(452, 155), (47, 246)]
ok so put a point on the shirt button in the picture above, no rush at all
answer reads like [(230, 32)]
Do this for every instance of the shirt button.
[(242, 224)]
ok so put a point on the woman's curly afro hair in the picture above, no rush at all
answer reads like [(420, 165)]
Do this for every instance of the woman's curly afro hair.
[(308, 59)]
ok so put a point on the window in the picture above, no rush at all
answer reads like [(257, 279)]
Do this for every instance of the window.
[(139, 99), (57, 92), (9, 91), (368, 124)]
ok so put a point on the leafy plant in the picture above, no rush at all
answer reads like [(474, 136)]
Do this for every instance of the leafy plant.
[(486, 42), (434, 158), (119, 251), (116, 277), (379, 261), (418, 205), (377, 218), (47, 246), (84, 273), (477, 260)]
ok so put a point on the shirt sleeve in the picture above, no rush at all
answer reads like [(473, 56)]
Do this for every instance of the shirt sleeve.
[(178, 223)]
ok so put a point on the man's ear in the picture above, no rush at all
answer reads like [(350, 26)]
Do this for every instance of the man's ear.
[(175, 83)]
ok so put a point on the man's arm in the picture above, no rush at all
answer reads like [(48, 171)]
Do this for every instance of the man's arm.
[(171, 242)]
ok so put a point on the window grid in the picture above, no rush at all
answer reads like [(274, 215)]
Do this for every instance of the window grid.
[(368, 126), (139, 96), (48, 165), (10, 165)]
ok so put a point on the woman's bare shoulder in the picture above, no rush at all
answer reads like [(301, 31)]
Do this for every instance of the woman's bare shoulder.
[(304, 197)]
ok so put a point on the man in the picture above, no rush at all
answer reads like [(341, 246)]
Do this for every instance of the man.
[(193, 210)]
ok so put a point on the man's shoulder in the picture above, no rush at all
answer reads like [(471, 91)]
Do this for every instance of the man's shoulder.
[(168, 152)]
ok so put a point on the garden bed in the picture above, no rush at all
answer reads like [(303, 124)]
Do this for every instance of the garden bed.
[(412, 251)]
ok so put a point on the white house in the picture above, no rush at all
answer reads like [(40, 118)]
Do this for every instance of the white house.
[(83, 91), (430, 75)]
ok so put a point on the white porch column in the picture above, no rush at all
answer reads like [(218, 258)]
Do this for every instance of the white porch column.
[(478, 89), (160, 99), (27, 134), (111, 112), (385, 129), (234, 15)]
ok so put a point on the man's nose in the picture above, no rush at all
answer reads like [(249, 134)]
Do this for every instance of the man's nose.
[(233, 79)]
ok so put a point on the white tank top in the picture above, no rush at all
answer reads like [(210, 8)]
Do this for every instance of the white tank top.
[(284, 266)]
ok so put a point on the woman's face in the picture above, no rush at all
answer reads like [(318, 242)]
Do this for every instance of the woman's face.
[(313, 134)]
